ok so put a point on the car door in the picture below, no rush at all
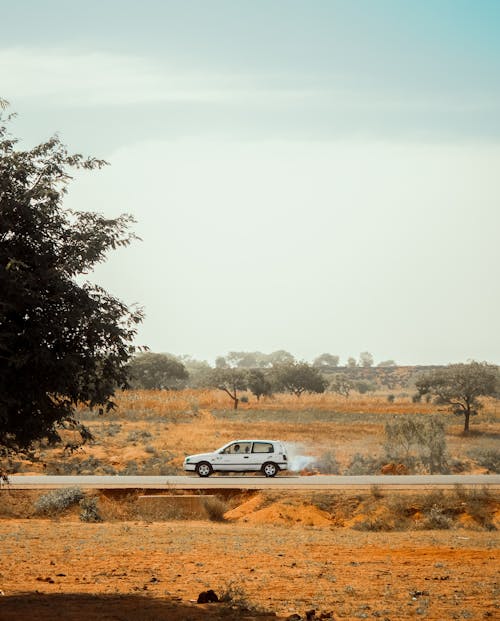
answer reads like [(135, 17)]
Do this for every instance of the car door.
[(261, 453), (236, 457)]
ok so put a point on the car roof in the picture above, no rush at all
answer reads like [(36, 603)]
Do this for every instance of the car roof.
[(254, 440)]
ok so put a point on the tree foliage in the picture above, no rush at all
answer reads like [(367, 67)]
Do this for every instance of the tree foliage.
[(253, 359), (299, 377), (248, 359), (326, 360), (365, 359), (280, 356), (157, 372), (62, 341), (231, 381), (459, 386), (199, 372), (258, 384), (342, 385)]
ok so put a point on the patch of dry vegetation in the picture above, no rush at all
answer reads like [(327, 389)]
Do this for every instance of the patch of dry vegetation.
[(152, 431)]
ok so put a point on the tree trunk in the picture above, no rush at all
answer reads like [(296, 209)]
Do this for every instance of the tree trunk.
[(236, 401), (467, 418)]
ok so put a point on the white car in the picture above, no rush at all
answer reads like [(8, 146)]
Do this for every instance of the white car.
[(267, 456)]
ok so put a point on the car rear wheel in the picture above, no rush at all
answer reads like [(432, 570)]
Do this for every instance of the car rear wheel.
[(204, 469), (270, 469)]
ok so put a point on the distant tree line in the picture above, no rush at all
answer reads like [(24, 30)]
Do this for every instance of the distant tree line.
[(284, 374), (458, 387)]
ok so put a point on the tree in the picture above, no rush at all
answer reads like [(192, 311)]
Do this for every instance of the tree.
[(342, 385), (299, 377), (157, 372), (199, 372), (231, 381), (63, 342), (258, 384), (326, 360), (280, 357), (351, 362), (221, 363), (362, 386), (459, 386), (365, 359), (247, 359), (386, 363)]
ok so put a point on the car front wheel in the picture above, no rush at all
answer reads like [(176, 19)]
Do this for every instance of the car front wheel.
[(204, 469), (270, 469)]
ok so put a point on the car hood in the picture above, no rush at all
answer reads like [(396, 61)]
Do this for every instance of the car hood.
[(199, 456)]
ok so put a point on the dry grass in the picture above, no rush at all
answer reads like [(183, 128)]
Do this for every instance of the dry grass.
[(150, 432), (167, 403)]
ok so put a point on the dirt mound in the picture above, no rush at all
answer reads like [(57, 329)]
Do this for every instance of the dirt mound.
[(245, 508), (304, 514), (280, 513)]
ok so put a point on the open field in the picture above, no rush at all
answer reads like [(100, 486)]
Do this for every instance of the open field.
[(154, 571), (272, 555), (151, 431)]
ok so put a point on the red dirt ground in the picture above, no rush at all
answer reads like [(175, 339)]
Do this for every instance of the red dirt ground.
[(67, 570)]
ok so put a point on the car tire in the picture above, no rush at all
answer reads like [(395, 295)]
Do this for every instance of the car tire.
[(204, 469), (270, 469)]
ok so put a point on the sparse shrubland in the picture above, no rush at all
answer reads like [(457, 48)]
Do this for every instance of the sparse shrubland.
[(151, 431), (364, 464), (418, 443), (488, 458)]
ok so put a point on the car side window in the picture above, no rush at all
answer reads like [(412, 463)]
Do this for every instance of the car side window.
[(237, 447), (262, 447)]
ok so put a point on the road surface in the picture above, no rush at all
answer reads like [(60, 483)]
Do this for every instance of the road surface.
[(281, 482)]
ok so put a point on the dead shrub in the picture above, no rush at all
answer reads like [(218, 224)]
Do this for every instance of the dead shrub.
[(436, 519), (488, 458), (373, 524), (58, 500), (215, 508), (89, 511), (363, 464), (327, 463), (417, 441), (234, 594)]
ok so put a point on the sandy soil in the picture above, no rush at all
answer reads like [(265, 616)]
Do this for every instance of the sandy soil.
[(274, 557), (55, 570)]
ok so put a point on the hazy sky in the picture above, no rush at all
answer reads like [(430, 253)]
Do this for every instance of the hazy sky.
[(315, 176)]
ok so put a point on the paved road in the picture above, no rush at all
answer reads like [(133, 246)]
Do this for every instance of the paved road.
[(287, 482)]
